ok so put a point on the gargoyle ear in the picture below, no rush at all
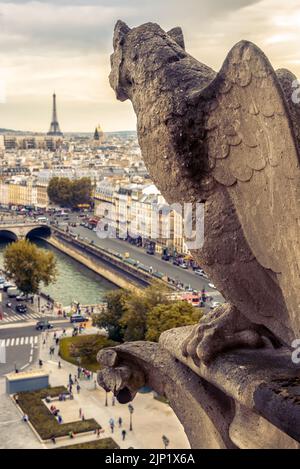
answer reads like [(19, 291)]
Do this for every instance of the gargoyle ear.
[(177, 36), (121, 30)]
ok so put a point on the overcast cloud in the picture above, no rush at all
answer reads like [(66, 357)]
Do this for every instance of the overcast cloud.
[(65, 45)]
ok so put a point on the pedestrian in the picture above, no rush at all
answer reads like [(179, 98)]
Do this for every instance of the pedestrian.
[(54, 335), (44, 342), (80, 412), (123, 434), (113, 401), (75, 379), (120, 421), (59, 364), (40, 363), (112, 424), (78, 388), (78, 372), (82, 417), (70, 378), (57, 341), (53, 440)]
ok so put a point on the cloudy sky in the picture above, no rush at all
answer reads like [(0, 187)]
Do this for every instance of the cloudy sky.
[(64, 45)]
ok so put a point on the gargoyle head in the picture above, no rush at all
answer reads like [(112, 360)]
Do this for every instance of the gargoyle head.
[(134, 52)]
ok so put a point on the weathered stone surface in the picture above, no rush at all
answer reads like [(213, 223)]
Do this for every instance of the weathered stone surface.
[(205, 412), (231, 140), (244, 399)]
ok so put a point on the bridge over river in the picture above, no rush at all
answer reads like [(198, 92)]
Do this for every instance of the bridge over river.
[(21, 229), (105, 264)]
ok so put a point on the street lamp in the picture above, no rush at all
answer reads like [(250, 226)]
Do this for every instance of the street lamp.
[(166, 441), (131, 410)]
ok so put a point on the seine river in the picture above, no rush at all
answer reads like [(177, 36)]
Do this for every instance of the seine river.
[(74, 282)]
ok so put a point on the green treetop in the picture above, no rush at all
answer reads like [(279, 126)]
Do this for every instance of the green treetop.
[(28, 266)]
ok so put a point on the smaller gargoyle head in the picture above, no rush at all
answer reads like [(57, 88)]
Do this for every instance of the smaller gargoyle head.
[(138, 52)]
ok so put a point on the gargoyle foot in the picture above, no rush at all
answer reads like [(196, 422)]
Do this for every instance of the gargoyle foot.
[(222, 329)]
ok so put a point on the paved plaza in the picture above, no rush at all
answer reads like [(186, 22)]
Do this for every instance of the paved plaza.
[(151, 418), (14, 434)]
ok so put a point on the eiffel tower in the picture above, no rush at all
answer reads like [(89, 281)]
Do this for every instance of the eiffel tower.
[(54, 127)]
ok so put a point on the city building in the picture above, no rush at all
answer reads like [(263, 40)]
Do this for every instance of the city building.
[(24, 193), (140, 214)]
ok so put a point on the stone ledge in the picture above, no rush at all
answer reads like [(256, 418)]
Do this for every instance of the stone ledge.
[(243, 398)]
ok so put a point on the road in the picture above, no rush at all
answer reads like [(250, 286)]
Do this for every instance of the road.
[(11, 316), (22, 346), (187, 277)]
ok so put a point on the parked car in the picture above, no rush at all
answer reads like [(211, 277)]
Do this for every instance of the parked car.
[(199, 272), (22, 309), (43, 325), (183, 265), (77, 318), (211, 285), (165, 257), (8, 285), (21, 297), (215, 304)]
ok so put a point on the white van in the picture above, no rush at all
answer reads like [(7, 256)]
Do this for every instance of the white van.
[(13, 292)]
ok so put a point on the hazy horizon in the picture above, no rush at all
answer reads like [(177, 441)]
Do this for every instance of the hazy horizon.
[(65, 46)]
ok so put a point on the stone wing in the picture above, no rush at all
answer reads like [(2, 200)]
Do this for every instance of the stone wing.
[(252, 149)]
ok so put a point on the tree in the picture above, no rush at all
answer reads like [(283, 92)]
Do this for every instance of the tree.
[(28, 266), (168, 316), (81, 191), (132, 316), (136, 307), (60, 191), (110, 319), (67, 193), (126, 314)]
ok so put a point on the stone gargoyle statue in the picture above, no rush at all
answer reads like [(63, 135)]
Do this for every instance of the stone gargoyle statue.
[(230, 140)]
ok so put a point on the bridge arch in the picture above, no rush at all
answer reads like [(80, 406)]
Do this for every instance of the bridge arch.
[(8, 235), (42, 231)]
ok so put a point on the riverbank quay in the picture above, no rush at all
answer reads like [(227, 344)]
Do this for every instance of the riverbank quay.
[(109, 266)]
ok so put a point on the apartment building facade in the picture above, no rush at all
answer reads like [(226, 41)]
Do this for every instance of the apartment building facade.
[(139, 213)]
